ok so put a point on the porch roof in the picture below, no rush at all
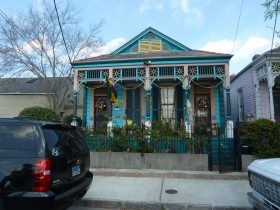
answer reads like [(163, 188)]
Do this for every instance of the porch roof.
[(163, 55)]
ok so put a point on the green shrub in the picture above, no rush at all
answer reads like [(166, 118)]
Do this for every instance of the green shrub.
[(264, 135), (39, 113), (68, 119)]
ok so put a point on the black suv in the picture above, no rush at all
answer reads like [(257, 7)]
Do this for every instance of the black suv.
[(43, 165)]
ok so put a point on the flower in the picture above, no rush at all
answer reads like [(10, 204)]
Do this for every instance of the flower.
[(129, 122)]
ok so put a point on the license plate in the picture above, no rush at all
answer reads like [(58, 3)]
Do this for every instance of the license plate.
[(76, 170)]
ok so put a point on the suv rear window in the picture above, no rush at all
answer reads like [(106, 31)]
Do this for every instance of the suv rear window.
[(17, 137), (69, 139)]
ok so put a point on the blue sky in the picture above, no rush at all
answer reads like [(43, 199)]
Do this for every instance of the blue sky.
[(199, 24)]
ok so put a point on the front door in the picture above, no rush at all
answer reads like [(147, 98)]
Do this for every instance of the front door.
[(100, 112), (202, 113)]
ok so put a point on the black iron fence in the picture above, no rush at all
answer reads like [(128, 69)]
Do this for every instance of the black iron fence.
[(143, 140), (223, 150)]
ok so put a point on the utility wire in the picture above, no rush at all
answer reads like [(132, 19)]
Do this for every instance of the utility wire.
[(237, 27), (61, 31), (11, 23)]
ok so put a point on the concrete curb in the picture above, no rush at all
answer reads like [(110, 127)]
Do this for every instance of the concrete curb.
[(130, 205)]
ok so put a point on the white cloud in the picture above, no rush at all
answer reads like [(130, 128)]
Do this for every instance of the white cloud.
[(187, 10), (151, 4), (252, 45), (110, 46), (222, 46), (243, 51), (113, 45), (30, 47), (193, 14)]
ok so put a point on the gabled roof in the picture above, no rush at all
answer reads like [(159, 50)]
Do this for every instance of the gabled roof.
[(158, 34), (171, 51)]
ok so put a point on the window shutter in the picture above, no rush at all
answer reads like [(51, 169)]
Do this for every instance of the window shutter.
[(137, 117), (144, 46), (155, 101), (129, 104), (133, 105), (150, 46), (179, 105), (155, 46)]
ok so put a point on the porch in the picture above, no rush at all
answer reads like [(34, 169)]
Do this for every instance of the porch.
[(187, 95)]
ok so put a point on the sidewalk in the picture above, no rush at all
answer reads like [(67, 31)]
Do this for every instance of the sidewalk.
[(167, 190)]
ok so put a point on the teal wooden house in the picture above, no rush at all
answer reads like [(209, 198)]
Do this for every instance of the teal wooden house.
[(156, 78)]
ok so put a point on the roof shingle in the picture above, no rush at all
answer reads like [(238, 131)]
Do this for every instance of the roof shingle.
[(153, 55)]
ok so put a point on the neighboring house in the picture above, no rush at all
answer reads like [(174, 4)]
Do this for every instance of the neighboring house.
[(19, 93), (255, 90), (156, 78)]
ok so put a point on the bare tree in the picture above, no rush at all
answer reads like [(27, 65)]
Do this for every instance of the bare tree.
[(272, 7), (32, 45)]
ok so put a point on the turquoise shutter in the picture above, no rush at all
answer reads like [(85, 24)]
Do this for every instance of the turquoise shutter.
[(156, 103), (179, 105), (133, 105)]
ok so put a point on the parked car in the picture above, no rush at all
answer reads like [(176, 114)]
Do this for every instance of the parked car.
[(43, 165), (264, 178)]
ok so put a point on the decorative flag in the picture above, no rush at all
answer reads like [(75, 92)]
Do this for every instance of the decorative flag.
[(111, 91)]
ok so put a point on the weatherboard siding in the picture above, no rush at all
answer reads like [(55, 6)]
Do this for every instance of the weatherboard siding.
[(12, 105), (244, 81)]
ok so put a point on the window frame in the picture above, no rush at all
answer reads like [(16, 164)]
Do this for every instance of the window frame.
[(164, 112)]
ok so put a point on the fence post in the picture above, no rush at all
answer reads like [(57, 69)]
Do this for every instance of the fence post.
[(238, 146), (220, 150), (210, 158)]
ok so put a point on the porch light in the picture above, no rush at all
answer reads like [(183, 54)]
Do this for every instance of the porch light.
[(147, 62)]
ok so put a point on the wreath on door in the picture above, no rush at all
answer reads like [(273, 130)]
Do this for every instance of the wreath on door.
[(203, 104), (101, 104)]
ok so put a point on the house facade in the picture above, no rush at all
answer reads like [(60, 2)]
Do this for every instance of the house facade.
[(255, 90), (156, 78)]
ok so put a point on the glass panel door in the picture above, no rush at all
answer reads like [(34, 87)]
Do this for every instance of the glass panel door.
[(202, 113)]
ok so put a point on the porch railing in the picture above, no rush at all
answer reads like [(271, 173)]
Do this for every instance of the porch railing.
[(129, 142), (154, 72)]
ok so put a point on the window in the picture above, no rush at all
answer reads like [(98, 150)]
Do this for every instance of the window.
[(70, 140), (150, 46), (17, 137), (240, 105), (168, 104)]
